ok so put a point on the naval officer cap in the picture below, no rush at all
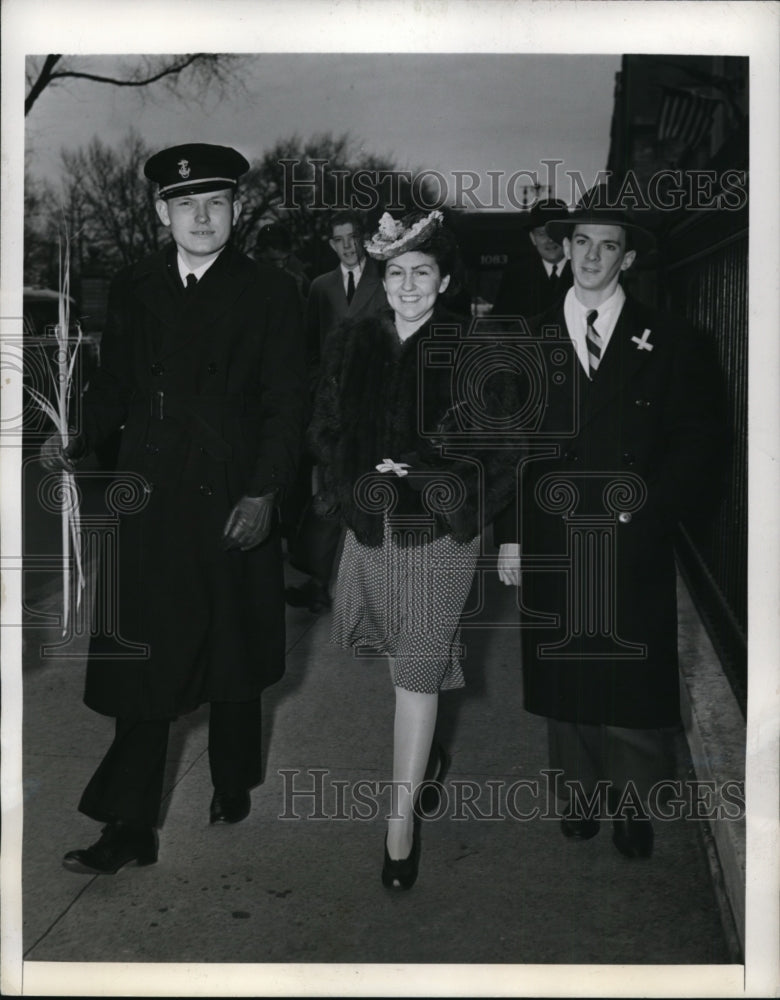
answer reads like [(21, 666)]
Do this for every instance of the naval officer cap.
[(194, 168)]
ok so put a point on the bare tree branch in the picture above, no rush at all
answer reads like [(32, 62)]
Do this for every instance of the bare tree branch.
[(203, 68), (41, 82)]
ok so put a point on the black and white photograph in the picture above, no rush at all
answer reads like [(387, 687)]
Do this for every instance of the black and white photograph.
[(388, 519)]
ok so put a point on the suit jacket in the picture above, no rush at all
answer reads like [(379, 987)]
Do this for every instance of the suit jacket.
[(210, 392), (525, 288), (613, 465), (327, 305)]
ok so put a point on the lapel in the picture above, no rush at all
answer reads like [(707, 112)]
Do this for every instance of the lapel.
[(621, 361), (158, 288), (180, 322), (365, 288), (336, 291)]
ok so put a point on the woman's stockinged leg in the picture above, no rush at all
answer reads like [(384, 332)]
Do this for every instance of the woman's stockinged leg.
[(415, 721)]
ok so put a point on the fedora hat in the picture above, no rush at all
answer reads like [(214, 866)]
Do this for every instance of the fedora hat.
[(545, 211), (596, 209)]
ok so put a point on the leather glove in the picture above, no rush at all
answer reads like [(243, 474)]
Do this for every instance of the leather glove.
[(55, 458), (250, 522), (509, 564)]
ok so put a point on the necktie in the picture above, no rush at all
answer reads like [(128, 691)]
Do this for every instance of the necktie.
[(554, 275), (593, 340), (192, 284), (350, 286)]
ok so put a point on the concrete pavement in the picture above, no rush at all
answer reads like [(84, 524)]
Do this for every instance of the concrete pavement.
[(498, 892)]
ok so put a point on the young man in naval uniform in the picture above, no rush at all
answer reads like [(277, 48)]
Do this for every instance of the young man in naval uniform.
[(627, 445), (202, 366)]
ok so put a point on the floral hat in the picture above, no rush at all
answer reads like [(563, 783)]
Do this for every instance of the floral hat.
[(394, 238)]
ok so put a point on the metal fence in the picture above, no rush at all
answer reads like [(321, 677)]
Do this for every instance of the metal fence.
[(705, 277)]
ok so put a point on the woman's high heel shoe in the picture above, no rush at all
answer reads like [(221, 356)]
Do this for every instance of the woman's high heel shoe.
[(402, 874)]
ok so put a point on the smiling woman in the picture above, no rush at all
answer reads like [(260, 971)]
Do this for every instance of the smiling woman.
[(413, 514), (413, 282)]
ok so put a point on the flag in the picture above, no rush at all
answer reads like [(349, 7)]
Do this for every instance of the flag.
[(685, 116)]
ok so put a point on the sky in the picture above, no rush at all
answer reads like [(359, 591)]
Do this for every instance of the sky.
[(432, 111)]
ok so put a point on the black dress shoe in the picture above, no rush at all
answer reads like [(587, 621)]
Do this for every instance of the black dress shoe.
[(119, 845), (633, 837), (311, 595), (579, 829), (429, 796), (402, 874), (229, 807)]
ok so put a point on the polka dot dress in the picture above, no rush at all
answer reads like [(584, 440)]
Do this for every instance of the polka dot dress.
[(405, 602)]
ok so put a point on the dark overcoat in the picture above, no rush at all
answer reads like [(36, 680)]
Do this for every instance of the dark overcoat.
[(526, 289), (210, 392), (613, 465), (408, 401)]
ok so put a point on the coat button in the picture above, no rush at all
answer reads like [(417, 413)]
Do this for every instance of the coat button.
[(570, 455), (152, 448), (624, 517), (206, 489), (641, 402), (157, 369), (628, 457), (211, 368)]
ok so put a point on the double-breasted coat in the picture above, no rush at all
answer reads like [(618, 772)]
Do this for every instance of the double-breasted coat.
[(210, 390), (613, 465)]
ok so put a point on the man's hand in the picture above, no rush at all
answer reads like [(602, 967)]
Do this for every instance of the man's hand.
[(55, 458), (509, 564), (250, 522)]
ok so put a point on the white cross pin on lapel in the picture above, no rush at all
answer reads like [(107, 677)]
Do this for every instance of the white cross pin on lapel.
[(643, 344)]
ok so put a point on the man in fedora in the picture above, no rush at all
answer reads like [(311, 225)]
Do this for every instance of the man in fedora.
[(202, 368), (537, 278), (627, 444)]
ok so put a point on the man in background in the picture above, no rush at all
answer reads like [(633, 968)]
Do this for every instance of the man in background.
[(351, 290), (539, 277), (274, 246)]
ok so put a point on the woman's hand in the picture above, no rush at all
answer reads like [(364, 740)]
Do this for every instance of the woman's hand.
[(509, 564)]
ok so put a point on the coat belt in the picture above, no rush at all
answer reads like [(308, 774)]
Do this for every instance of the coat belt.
[(194, 412)]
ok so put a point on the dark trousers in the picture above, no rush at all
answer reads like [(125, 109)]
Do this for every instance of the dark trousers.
[(128, 782), (589, 754)]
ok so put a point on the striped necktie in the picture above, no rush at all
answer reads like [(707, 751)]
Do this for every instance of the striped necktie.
[(594, 342)]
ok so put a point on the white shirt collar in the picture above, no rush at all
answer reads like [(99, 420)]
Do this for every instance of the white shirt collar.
[(575, 314), (357, 270), (184, 269)]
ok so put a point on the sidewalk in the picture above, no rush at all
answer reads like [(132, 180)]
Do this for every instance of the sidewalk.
[(499, 891)]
